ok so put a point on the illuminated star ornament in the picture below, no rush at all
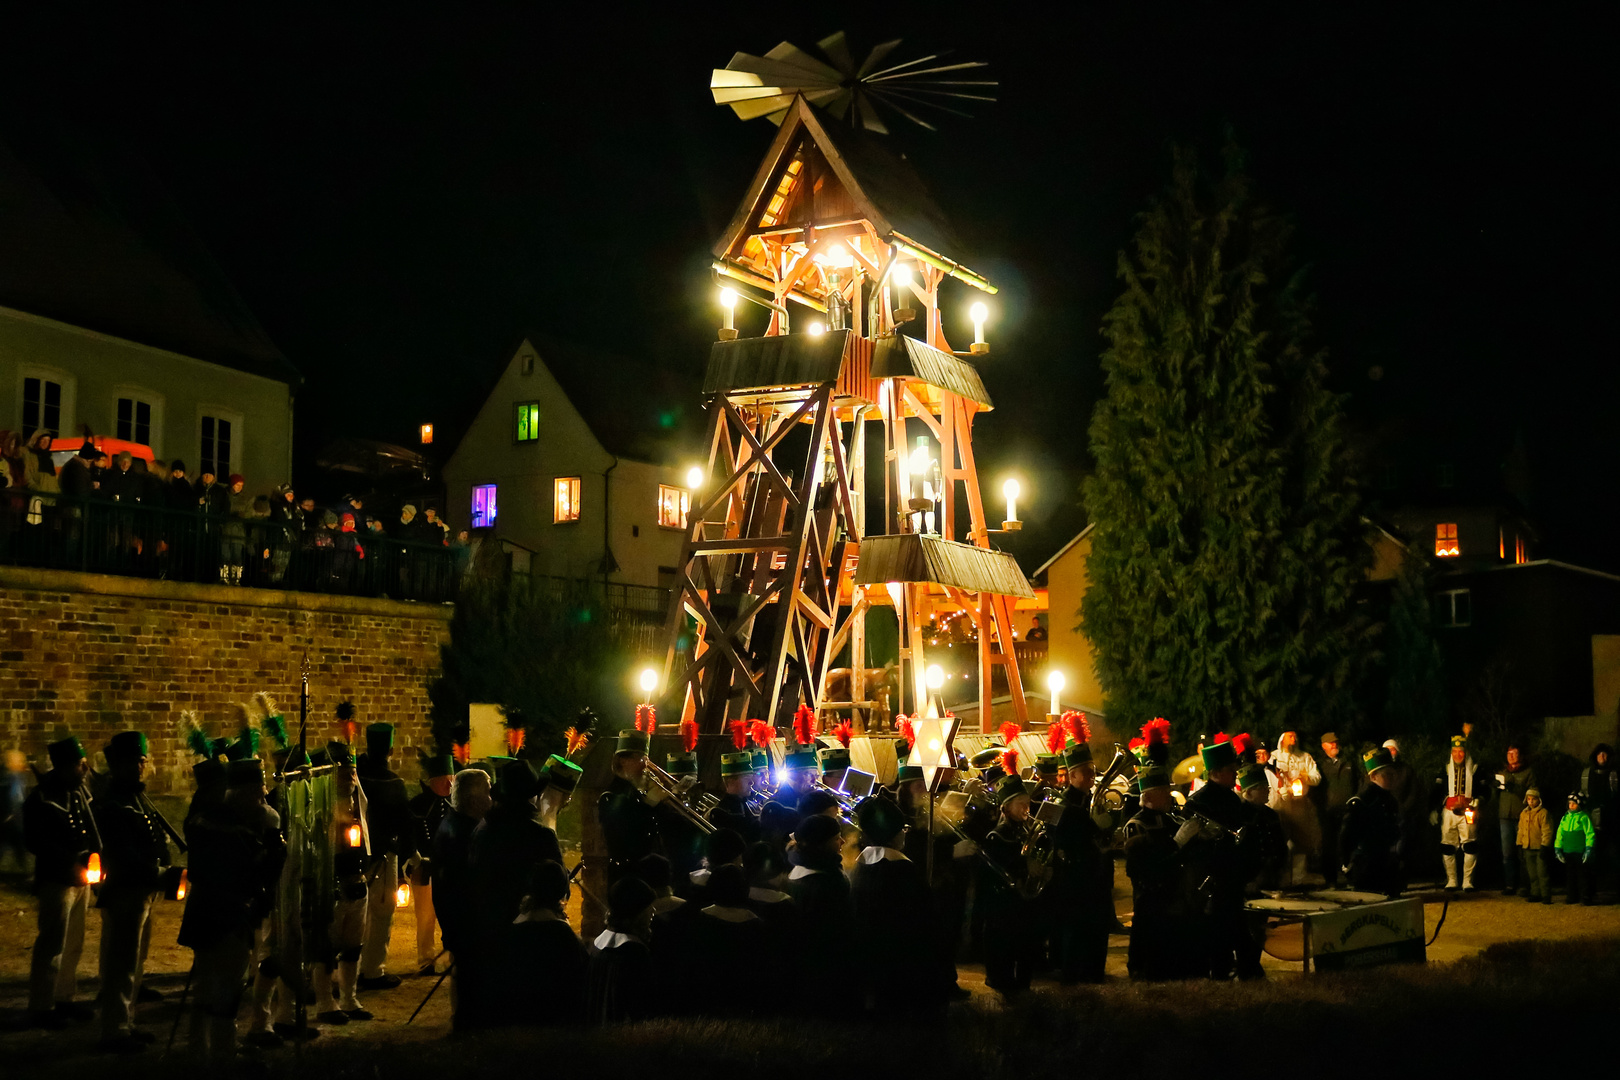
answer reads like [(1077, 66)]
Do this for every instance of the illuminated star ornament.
[(932, 752), (766, 85)]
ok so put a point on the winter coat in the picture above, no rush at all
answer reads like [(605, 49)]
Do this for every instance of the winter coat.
[(1601, 783), (1535, 829), (39, 470), (212, 499), (1295, 763), (1575, 834), (1342, 778), (1515, 782)]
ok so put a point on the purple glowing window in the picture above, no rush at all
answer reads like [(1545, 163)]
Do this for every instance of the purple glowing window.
[(483, 506)]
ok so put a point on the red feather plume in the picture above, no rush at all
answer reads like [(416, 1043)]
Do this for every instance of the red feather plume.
[(1136, 744), (739, 734), (1240, 743), (514, 739), (1221, 736), (1156, 730), (461, 752), (843, 732), (804, 726), (1079, 727), (762, 733), (646, 718), (1056, 736), (907, 729), (350, 728), (1009, 761), (573, 742), (1009, 731), (689, 734)]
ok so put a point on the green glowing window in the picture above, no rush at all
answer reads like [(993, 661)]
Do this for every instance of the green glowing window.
[(528, 421)]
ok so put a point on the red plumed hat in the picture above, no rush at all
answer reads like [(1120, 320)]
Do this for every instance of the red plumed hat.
[(1010, 731), (908, 731), (1078, 727), (1156, 736), (804, 726), (739, 734), (689, 734), (843, 732)]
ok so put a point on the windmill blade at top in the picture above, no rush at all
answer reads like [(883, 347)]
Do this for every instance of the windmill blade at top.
[(766, 85)]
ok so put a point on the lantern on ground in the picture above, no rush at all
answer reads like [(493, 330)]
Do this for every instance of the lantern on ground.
[(92, 869)]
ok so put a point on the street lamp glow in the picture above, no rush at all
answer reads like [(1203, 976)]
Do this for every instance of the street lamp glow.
[(816, 329), (694, 478), (920, 457), (649, 681), (1055, 682), (979, 313)]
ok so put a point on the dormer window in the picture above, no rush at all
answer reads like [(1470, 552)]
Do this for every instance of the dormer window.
[(1445, 540)]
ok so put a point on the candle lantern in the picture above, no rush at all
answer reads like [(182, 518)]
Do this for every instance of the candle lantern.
[(92, 869)]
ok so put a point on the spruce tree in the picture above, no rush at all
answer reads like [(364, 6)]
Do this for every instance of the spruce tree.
[(1228, 537)]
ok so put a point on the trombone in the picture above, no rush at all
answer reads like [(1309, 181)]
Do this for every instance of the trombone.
[(676, 793)]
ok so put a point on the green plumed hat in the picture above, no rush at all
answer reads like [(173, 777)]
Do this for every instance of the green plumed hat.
[(563, 773), (802, 758), (1076, 754), (833, 758), (736, 764), (1152, 775), (631, 741), (1218, 756), (1375, 759), (1046, 764), (243, 747), (1252, 776), (127, 746), (65, 753), (684, 763), (1009, 788)]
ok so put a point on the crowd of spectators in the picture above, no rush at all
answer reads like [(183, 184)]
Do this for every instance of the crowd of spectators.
[(123, 514)]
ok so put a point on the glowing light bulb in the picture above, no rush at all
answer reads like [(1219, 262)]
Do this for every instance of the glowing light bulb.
[(728, 301), (649, 681), (694, 478), (352, 834), (1011, 490), (816, 329), (936, 676), (979, 313), (902, 274)]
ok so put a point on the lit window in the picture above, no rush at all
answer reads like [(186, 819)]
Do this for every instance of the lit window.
[(483, 506), (1445, 540), (134, 421), (42, 406), (565, 499), (1521, 551), (427, 434), (1454, 608), (673, 505), (528, 421)]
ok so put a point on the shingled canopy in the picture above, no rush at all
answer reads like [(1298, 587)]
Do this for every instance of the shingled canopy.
[(908, 357), (917, 557)]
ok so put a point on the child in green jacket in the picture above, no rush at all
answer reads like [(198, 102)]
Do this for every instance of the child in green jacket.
[(1574, 843)]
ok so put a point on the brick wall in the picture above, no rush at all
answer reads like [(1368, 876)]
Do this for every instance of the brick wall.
[(95, 655)]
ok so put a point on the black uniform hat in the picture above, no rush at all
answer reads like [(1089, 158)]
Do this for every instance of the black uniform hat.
[(880, 820), (631, 741), (517, 782), (245, 773), (438, 765), (127, 746), (379, 739), (548, 882), (1009, 788), (816, 801), (562, 773), (337, 752), (65, 753)]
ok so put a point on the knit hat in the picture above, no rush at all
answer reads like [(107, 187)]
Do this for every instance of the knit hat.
[(1251, 776), (236, 478), (1151, 776), (629, 897), (65, 753), (1219, 755), (1376, 759), (738, 764), (833, 758), (1008, 789), (631, 741), (816, 829), (127, 746), (815, 801), (880, 820), (683, 763), (562, 773)]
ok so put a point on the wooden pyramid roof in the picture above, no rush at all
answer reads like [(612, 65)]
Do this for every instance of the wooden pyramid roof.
[(811, 176)]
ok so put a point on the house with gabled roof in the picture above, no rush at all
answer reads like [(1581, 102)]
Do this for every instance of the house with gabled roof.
[(578, 456)]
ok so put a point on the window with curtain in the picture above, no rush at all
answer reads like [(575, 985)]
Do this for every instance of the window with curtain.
[(565, 500)]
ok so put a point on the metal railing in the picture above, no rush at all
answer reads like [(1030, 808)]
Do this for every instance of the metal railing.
[(135, 539)]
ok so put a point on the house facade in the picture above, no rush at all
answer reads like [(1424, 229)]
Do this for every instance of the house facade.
[(66, 378), (566, 457), (115, 318)]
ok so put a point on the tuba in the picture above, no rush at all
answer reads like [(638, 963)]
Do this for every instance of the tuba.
[(1113, 786)]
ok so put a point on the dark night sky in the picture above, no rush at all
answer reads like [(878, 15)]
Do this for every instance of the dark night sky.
[(398, 196)]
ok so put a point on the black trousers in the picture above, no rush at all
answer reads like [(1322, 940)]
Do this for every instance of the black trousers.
[(1580, 884), (1012, 944), (1332, 820)]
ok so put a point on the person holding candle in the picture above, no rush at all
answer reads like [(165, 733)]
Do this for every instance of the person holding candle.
[(1455, 806), (1297, 775)]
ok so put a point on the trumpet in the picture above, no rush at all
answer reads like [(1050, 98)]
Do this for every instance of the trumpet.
[(676, 792)]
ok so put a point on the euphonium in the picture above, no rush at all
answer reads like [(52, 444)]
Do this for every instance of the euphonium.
[(1113, 786)]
